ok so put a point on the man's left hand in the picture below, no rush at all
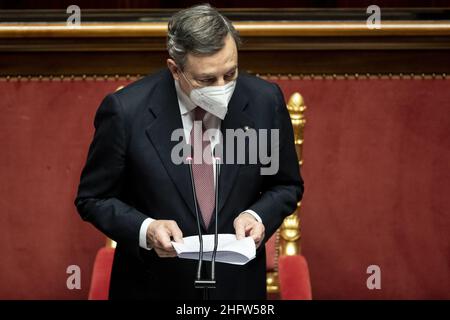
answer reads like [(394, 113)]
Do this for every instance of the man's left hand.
[(246, 225)]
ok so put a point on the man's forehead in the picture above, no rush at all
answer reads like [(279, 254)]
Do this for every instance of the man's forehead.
[(219, 62), (200, 67), (216, 71)]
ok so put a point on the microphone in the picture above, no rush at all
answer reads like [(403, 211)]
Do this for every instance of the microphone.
[(217, 162), (205, 284), (200, 283), (200, 236)]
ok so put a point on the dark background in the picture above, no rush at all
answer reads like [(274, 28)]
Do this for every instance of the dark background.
[(148, 4)]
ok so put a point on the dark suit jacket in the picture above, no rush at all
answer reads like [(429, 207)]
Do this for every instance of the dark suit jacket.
[(129, 176)]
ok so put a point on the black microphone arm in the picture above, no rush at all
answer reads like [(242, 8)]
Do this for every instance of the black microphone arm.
[(204, 284), (200, 236), (217, 163)]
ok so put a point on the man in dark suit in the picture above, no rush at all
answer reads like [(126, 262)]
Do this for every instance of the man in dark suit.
[(134, 191)]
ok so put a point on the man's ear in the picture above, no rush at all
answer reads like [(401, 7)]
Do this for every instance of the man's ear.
[(171, 64)]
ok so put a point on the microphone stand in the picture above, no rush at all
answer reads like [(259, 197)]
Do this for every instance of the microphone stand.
[(200, 237), (216, 209), (200, 283)]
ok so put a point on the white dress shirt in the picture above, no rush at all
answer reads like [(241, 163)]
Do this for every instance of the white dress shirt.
[(187, 117)]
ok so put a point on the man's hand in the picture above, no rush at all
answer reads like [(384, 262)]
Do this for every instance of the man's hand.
[(246, 225), (159, 234)]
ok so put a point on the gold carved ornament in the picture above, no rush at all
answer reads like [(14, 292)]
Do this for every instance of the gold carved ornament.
[(288, 235)]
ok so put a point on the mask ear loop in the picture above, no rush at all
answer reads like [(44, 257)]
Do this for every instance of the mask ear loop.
[(199, 92), (185, 78), (192, 87)]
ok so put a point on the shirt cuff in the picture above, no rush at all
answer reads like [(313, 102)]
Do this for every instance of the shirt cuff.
[(254, 214), (143, 234)]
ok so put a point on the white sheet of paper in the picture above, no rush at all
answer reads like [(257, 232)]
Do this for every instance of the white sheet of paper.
[(229, 249)]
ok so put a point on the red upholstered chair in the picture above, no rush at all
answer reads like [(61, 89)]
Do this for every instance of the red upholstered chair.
[(287, 275), (101, 273), (294, 278), (287, 270), (287, 280)]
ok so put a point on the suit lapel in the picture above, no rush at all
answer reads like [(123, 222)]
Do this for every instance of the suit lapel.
[(167, 118), (236, 118)]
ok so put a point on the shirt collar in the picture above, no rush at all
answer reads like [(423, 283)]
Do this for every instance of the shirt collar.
[(186, 104)]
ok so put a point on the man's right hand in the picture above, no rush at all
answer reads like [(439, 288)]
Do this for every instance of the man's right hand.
[(159, 235)]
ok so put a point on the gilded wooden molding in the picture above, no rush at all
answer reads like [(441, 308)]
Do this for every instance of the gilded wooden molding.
[(288, 235), (110, 243), (290, 229), (246, 29), (272, 282)]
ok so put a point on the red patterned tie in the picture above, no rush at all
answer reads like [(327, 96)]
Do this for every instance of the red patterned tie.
[(203, 172)]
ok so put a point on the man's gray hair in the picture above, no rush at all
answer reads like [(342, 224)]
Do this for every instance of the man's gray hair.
[(199, 30)]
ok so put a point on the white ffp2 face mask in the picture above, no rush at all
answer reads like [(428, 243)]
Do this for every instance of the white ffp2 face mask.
[(213, 99)]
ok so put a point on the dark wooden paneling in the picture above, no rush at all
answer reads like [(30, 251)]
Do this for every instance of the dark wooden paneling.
[(235, 15), (269, 47), (263, 62), (104, 4)]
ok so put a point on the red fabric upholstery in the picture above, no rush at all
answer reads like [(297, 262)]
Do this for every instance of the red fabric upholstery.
[(375, 167), (271, 252), (101, 274), (293, 274), (376, 162)]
